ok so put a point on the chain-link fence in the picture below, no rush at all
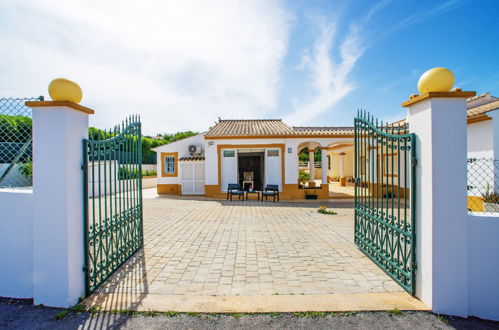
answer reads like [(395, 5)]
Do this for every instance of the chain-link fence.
[(16, 161), (483, 185)]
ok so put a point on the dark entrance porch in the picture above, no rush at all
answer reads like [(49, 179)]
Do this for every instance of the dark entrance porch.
[(251, 169)]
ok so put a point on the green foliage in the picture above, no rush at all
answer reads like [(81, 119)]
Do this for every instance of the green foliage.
[(171, 313), (324, 210), (148, 143), (15, 128), (61, 315), (78, 308), (303, 176), (443, 318), (125, 173), (395, 311), (490, 196), (26, 169), (149, 173), (303, 155), (310, 314), (148, 156)]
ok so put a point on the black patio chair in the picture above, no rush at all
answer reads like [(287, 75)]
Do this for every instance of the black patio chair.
[(234, 189), (271, 190)]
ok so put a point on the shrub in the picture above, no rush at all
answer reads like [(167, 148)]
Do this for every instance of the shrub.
[(303, 176), (149, 173), (26, 169), (490, 196)]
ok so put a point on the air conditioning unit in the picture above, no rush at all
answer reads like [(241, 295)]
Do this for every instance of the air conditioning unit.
[(195, 149)]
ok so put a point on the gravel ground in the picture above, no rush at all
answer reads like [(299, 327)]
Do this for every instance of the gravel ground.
[(22, 315)]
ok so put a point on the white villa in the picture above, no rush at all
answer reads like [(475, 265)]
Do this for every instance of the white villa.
[(265, 151)]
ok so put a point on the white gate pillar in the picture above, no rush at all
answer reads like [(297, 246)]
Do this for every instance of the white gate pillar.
[(58, 130), (439, 121), (324, 165)]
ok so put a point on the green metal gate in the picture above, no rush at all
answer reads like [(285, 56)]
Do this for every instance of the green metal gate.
[(112, 198), (384, 196)]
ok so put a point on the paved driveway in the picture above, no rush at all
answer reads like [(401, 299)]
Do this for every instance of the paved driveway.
[(195, 246)]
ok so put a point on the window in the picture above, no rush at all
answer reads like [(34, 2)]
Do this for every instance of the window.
[(169, 163), (229, 153), (272, 153)]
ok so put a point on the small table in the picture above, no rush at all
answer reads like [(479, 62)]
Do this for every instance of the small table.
[(257, 192)]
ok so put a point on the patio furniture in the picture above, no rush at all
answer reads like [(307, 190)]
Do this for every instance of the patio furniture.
[(248, 180), (234, 189), (247, 185), (271, 190), (257, 192)]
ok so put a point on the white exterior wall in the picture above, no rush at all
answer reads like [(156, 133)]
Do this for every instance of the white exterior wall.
[(182, 147), (273, 169), (16, 243), (481, 139)]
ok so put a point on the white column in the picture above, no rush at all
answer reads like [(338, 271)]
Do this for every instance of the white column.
[(439, 122), (311, 165), (324, 165), (58, 260), (342, 169)]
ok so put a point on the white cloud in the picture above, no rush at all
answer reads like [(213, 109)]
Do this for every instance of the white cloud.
[(180, 64), (329, 77)]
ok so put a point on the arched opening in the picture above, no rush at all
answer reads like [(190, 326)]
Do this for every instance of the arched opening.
[(309, 164)]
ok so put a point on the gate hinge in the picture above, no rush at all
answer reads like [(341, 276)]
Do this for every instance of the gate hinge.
[(414, 161), (414, 265)]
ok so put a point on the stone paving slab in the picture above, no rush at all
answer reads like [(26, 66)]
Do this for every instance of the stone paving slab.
[(196, 246), (258, 304)]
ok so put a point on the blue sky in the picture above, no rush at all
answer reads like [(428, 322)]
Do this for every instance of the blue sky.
[(181, 65)]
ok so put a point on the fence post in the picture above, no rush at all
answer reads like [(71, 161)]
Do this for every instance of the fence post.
[(439, 121), (58, 259)]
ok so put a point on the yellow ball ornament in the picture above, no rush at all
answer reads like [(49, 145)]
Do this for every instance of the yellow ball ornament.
[(436, 80), (61, 89)]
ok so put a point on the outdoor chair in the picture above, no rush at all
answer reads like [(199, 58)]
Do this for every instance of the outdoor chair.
[(271, 190), (234, 189)]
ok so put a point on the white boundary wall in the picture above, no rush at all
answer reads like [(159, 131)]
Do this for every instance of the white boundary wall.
[(16, 243), (483, 266)]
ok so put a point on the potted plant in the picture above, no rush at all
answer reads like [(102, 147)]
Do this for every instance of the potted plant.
[(490, 200), (311, 194), (251, 188)]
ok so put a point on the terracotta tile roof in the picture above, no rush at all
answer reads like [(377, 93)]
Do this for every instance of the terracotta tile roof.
[(191, 158), (249, 127), (326, 130), (266, 127)]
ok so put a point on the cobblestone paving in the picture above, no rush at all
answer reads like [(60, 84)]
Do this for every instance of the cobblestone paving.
[(195, 246)]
